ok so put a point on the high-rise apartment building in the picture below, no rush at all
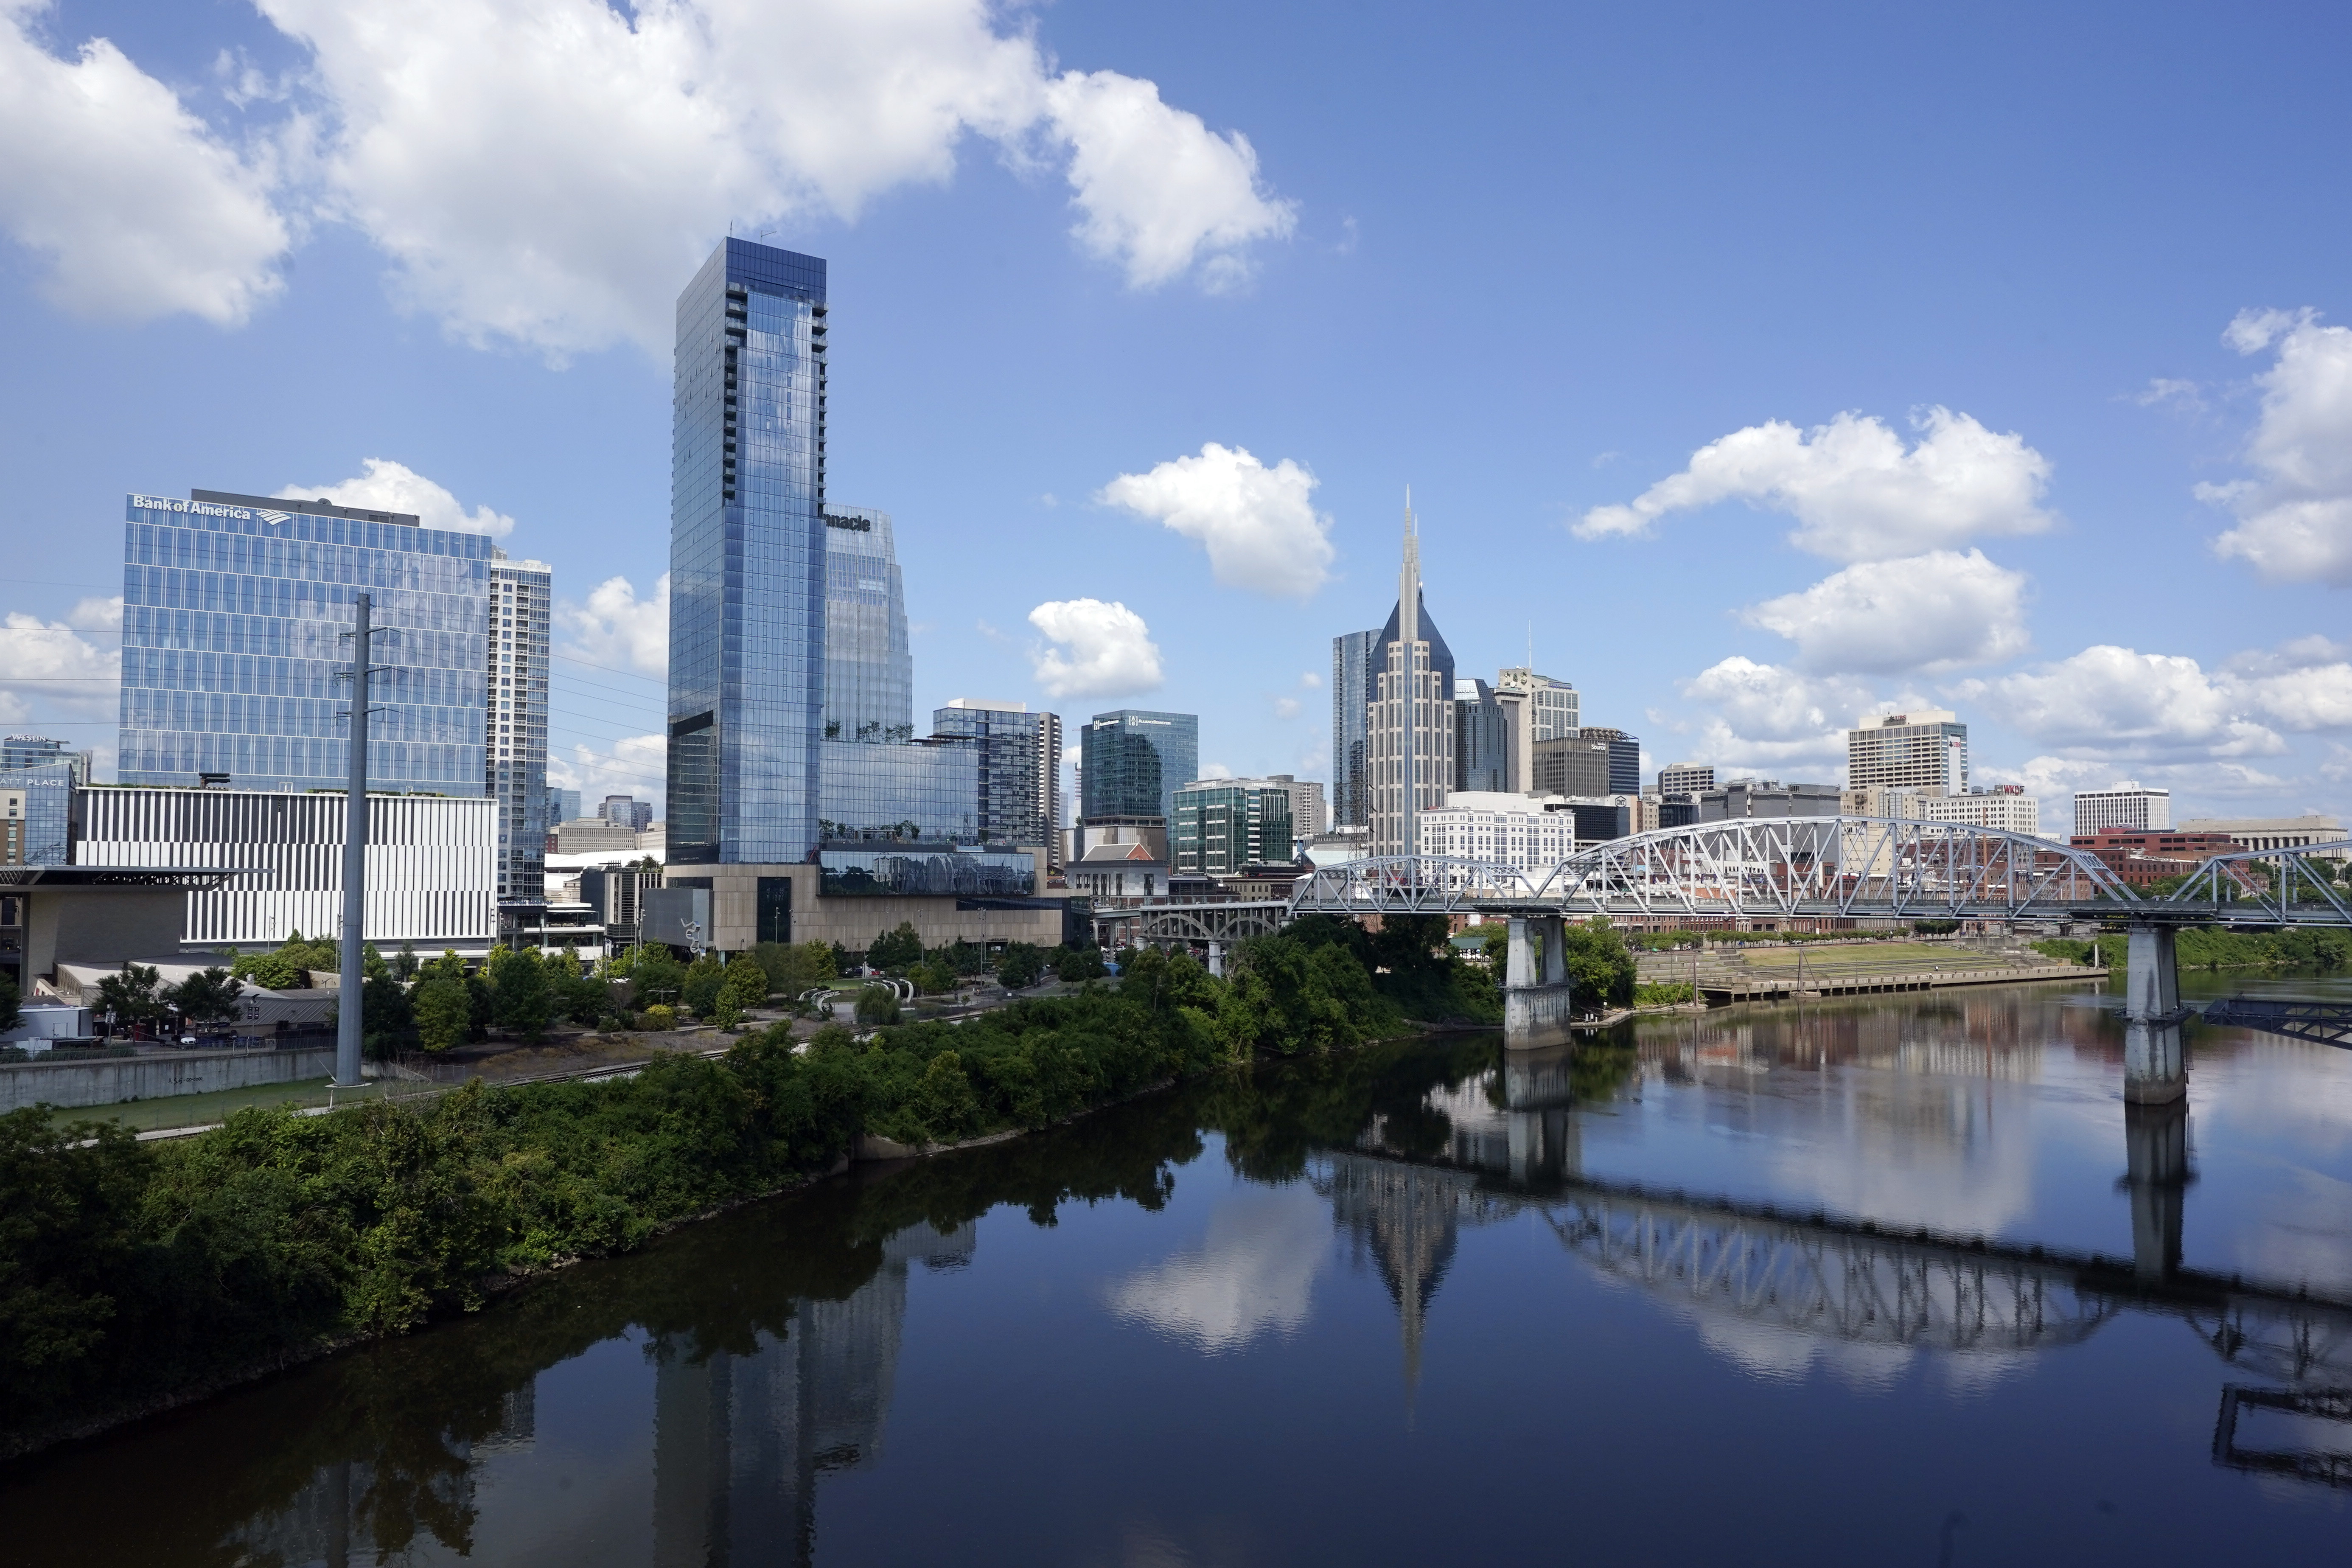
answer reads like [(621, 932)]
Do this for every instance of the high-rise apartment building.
[(1019, 767), (1924, 749), (1223, 824), (2126, 807), (1685, 778), (234, 613), (1409, 730), (747, 559), (38, 750), (870, 670), (514, 727), (1625, 758), (1355, 674), (1132, 762), (1310, 814), (1482, 738)]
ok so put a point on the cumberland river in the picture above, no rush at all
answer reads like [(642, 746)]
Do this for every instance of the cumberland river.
[(1882, 1282)]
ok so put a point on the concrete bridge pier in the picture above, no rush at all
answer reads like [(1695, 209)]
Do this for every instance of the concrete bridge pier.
[(2156, 1166), (1535, 992), (2155, 1071), (1539, 1127)]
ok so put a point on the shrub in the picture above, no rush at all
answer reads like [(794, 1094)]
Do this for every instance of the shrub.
[(660, 1016), (746, 985), (699, 989)]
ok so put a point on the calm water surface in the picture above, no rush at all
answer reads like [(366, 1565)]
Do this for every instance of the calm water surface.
[(1890, 1281)]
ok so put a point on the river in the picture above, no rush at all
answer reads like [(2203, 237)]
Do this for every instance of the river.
[(1889, 1280)]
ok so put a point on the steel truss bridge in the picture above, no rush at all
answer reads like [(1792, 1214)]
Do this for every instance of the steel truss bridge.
[(1838, 868)]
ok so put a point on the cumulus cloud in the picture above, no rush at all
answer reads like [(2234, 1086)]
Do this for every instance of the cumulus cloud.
[(1937, 611), (138, 209), (2109, 701), (2303, 685), (1258, 524), (548, 171), (56, 670), (2295, 518), (633, 764), (1097, 649), (1856, 492), (1766, 718), (617, 629), (387, 486)]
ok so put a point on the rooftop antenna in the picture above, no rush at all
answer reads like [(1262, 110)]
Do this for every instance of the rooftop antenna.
[(1408, 640)]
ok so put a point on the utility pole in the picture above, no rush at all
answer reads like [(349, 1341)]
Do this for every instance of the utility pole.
[(348, 1020)]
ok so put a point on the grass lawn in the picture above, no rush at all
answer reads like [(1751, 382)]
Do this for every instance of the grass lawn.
[(199, 1109)]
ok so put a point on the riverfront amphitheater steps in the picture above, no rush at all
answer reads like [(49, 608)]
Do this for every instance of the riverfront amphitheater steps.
[(1767, 972)]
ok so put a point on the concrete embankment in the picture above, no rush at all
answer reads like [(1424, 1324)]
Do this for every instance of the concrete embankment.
[(1725, 972), (107, 1080)]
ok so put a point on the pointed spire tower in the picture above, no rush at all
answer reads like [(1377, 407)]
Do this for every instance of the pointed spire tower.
[(1409, 728)]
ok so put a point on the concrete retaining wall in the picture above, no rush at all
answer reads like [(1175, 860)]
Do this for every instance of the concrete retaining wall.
[(111, 1079), (1536, 1015)]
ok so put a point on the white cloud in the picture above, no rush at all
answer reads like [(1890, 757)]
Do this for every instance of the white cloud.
[(1285, 707), (138, 208), (1215, 771), (2169, 392), (2116, 703), (617, 629), (56, 673), (1936, 611), (633, 764), (1857, 493), (387, 486), (1157, 189), (1104, 650), (1259, 524), (2303, 685), (2294, 521), (1771, 720), (550, 172)]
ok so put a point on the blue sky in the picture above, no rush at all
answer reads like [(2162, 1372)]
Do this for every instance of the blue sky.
[(1763, 365)]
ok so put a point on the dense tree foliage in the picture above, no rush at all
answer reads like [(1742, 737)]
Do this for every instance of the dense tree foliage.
[(896, 951)]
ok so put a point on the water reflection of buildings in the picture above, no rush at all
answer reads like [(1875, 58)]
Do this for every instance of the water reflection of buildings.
[(740, 1439)]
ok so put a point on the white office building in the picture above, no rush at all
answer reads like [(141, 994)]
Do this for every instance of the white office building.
[(2004, 806), (2273, 832), (431, 861), (1686, 778), (1926, 748), (1499, 829), (514, 728), (2126, 808)]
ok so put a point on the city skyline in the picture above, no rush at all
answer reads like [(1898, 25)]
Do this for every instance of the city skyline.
[(1735, 528)]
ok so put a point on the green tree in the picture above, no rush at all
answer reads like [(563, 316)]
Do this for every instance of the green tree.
[(207, 996), (703, 979), (945, 1101), (1599, 968), (896, 951), (654, 975), (746, 984), (11, 1004), (1020, 966), (403, 964), (444, 1012), (289, 966), (875, 1004), (131, 996), (579, 995), (521, 999), (1075, 963), (70, 1210), (798, 968), (387, 1017)]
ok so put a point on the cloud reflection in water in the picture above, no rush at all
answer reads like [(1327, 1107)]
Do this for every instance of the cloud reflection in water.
[(1254, 1273)]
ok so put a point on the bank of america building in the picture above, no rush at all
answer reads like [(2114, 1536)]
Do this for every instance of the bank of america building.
[(234, 613)]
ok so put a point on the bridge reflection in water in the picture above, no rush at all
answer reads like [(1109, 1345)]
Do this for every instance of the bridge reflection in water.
[(1514, 1152)]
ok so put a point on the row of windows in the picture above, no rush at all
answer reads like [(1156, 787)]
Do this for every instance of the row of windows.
[(305, 531), (255, 816)]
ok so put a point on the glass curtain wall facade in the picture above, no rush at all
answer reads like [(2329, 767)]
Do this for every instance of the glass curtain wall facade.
[(1221, 827), (1625, 758), (1355, 670), (927, 790), (870, 673), (40, 751), (234, 611), (747, 559), (1132, 762), (1020, 759), (1428, 708), (514, 731), (1482, 739)]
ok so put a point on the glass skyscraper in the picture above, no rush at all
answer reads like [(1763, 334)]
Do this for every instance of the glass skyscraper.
[(747, 559), (1355, 671), (870, 673), (233, 613), (1132, 762), (1020, 767)]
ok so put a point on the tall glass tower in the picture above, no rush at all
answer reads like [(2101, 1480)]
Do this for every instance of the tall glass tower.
[(234, 609), (747, 559), (1356, 659), (870, 673), (1132, 762)]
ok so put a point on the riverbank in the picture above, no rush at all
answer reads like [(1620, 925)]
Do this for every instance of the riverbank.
[(143, 1274)]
